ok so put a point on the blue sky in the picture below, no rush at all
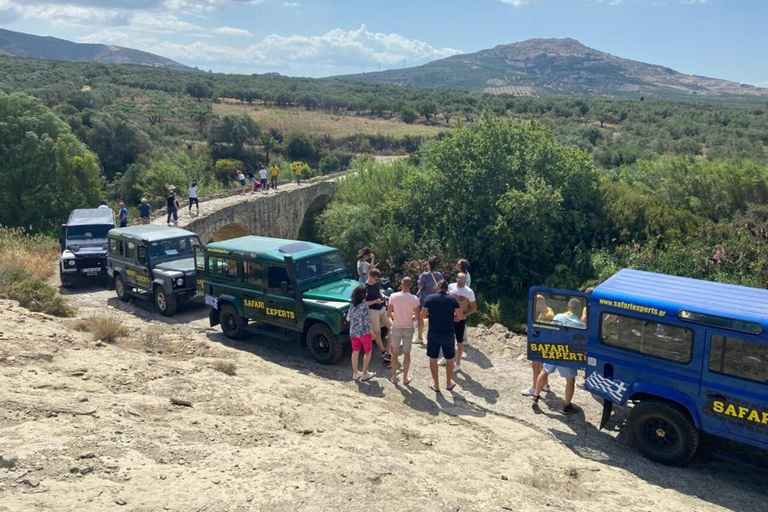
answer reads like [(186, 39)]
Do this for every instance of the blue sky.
[(717, 38)]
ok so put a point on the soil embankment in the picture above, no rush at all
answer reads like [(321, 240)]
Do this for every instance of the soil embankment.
[(87, 425)]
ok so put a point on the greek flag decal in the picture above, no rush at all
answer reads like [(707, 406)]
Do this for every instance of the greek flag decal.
[(608, 388), (212, 301)]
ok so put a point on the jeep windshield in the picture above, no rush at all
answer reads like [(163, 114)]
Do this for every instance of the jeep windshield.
[(87, 232), (173, 249), (320, 266)]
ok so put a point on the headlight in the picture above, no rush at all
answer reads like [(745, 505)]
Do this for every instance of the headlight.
[(71, 263), (180, 281)]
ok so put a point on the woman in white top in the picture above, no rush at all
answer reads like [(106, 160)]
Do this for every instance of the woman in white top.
[(364, 263), (193, 198)]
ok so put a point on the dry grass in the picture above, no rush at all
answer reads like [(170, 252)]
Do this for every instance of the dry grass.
[(226, 368), (32, 255), (104, 328), (317, 122)]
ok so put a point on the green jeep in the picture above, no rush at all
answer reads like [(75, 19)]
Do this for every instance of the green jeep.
[(154, 262), (287, 288)]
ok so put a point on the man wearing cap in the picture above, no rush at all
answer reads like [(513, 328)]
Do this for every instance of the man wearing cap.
[(145, 212), (123, 215)]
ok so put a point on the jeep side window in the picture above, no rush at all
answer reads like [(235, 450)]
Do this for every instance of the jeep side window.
[(142, 255), (560, 309), (648, 338), (253, 273), (739, 358), (223, 267), (115, 247), (130, 250), (278, 276)]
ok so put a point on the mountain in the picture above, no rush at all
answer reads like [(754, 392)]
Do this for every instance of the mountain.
[(27, 45), (542, 67)]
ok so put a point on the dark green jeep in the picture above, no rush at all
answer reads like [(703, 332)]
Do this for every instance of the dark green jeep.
[(154, 262), (287, 288)]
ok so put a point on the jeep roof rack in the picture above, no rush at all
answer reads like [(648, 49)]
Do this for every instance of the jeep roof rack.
[(150, 233)]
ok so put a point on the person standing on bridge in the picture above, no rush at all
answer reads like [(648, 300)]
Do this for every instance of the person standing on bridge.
[(241, 179), (297, 170), (274, 173), (263, 179), (172, 205), (193, 198)]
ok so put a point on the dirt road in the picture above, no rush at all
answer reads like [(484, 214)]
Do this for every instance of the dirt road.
[(90, 426)]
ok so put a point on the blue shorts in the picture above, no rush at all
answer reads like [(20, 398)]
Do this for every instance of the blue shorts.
[(441, 341), (566, 373)]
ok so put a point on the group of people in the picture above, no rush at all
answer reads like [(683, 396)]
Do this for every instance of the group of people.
[(252, 183), (444, 306)]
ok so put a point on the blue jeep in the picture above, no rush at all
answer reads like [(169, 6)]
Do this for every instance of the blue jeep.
[(691, 356), (84, 245)]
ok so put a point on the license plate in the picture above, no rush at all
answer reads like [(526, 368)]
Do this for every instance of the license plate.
[(90, 274), (91, 271)]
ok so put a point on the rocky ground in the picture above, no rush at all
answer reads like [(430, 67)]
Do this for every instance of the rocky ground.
[(87, 425)]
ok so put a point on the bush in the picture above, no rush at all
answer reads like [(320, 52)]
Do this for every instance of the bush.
[(105, 328), (37, 295), (329, 164), (226, 368), (409, 115)]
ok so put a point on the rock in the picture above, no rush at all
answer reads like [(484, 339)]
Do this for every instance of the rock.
[(504, 477), (99, 343), (82, 399), (10, 359), (31, 482), (121, 501), (178, 401), (8, 460), (307, 431), (77, 373), (87, 455), (499, 329)]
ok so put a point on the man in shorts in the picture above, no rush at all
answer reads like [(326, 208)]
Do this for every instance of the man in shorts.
[(571, 318), (379, 318), (403, 309), (263, 179), (145, 212), (441, 309), (466, 298)]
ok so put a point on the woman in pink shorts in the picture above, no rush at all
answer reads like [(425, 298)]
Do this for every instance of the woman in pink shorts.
[(360, 333)]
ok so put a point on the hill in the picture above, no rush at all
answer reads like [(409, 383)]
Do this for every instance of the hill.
[(543, 67), (27, 45)]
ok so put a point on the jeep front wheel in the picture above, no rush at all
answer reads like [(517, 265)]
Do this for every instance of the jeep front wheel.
[(120, 290), (165, 303), (662, 432), (66, 282), (232, 324), (325, 346)]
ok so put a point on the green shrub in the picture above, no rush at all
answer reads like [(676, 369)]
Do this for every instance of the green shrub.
[(37, 295), (226, 368)]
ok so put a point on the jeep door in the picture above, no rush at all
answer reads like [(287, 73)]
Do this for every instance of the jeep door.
[(254, 304), (280, 298), (137, 273), (558, 323), (734, 386)]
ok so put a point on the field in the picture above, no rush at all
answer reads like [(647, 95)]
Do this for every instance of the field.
[(316, 122)]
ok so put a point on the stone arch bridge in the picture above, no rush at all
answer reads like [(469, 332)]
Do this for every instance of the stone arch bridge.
[(289, 211)]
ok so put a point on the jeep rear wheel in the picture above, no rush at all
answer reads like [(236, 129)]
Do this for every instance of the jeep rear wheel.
[(325, 346), (232, 324), (120, 290), (662, 432), (165, 304)]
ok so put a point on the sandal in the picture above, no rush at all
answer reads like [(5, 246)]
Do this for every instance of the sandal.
[(406, 382), (450, 388), (433, 388)]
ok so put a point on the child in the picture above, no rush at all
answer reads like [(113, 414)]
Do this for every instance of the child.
[(360, 332)]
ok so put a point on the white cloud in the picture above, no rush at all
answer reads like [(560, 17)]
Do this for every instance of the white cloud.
[(291, 4), (232, 31), (335, 52), (196, 6), (521, 3)]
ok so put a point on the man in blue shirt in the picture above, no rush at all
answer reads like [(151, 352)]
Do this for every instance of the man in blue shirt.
[(570, 319), (441, 309), (123, 215), (145, 211)]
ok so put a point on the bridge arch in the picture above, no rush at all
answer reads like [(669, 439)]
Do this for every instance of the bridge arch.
[(310, 225)]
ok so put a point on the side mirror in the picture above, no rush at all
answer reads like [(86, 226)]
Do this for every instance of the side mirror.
[(284, 287)]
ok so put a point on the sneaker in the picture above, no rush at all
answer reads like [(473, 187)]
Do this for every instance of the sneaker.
[(529, 392), (546, 389), (420, 340), (367, 376), (569, 409), (580, 385), (456, 368), (441, 361), (356, 375)]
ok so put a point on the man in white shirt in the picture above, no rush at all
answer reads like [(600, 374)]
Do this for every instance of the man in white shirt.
[(403, 309), (468, 306), (263, 179)]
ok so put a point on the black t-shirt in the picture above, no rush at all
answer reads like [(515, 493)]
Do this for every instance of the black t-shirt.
[(374, 292), (441, 306), (171, 201)]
